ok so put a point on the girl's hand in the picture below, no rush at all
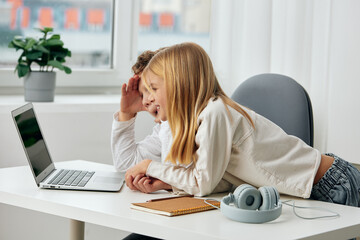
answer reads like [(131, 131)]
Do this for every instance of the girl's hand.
[(148, 184), (131, 101), (138, 169)]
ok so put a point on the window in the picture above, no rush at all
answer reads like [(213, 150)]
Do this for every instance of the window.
[(85, 27), (105, 36), (167, 22)]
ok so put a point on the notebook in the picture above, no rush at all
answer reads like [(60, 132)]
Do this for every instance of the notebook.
[(42, 166), (175, 206)]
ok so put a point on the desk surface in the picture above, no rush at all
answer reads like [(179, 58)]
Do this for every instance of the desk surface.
[(18, 188)]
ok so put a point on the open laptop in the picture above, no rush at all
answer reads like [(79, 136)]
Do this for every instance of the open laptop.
[(42, 166)]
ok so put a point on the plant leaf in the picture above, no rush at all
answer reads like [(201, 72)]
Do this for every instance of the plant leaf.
[(48, 29), (62, 53), (67, 70), (21, 60), (55, 36), (45, 29), (33, 55), (41, 49), (41, 42), (56, 64), (22, 70), (60, 59), (30, 43), (53, 42), (11, 45), (41, 62), (19, 43)]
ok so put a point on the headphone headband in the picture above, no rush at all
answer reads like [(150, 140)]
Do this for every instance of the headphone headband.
[(250, 216), (252, 205), (265, 201)]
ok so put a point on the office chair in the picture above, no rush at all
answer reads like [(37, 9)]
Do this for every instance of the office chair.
[(280, 99)]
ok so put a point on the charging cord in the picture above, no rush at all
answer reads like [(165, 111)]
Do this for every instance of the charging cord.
[(335, 214)]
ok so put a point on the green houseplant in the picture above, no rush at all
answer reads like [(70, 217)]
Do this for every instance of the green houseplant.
[(48, 53)]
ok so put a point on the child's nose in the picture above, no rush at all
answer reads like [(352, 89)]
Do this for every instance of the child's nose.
[(147, 100), (151, 98)]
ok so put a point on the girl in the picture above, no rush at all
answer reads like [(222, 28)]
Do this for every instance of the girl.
[(221, 144)]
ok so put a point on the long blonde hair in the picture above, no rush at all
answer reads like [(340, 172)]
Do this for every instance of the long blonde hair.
[(190, 82)]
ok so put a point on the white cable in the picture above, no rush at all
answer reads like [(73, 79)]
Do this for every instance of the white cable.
[(294, 206), (316, 208)]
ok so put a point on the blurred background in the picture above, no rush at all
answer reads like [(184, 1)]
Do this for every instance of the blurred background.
[(317, 43), (87, 26)]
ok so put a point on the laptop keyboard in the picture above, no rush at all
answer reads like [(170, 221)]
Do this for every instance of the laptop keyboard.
[(71, 178)]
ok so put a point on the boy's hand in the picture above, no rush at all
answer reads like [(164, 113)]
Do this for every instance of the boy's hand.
[(131, 101), (148, 184), (138, 169)]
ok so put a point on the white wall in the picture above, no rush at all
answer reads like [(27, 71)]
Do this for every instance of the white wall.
[(80, 131), (344, 99), (314, 42)]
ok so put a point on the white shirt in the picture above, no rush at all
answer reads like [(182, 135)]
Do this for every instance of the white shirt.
[(127, 153), (229, 148)]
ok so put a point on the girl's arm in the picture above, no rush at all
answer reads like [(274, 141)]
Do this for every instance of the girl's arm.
[(126, 152), (214, 138)]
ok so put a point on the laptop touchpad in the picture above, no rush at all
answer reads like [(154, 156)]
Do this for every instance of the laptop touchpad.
[(106, 180)]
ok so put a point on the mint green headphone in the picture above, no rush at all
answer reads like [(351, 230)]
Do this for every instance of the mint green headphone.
[(252, 205)]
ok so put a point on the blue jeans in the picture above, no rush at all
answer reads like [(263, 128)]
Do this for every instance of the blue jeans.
[(340, 184)]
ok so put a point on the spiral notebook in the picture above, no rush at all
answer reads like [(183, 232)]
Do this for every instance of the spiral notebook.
[(175, 206)]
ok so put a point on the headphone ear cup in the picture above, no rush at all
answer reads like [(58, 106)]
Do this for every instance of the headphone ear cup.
[(270, 198), (247, 197)]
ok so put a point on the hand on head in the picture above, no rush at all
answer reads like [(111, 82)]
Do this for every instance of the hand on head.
[(131, 102), (135, 98)]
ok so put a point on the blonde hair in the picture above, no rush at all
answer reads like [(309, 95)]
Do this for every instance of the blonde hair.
[(190, 82)]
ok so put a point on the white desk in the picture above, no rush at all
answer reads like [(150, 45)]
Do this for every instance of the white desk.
[(18, 188)]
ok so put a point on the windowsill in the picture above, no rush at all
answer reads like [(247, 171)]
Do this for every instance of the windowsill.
[(65, 103)]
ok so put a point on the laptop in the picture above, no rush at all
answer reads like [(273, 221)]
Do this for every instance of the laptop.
[(42, 166)]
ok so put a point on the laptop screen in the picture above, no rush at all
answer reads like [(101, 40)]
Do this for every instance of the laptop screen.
[(33, 141)]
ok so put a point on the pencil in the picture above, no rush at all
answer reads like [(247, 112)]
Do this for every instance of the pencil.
[(160, 199)]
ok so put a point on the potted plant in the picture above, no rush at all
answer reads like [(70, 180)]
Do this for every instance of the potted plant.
[(48, 52)]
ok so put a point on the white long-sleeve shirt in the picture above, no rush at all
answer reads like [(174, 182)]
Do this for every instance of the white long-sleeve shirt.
[(231, 151), (127, 153), (230, 148)]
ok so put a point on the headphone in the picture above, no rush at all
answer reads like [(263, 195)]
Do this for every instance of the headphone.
[(252, 205)]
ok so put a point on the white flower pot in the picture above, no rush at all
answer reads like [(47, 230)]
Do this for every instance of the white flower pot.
[(39, 86)]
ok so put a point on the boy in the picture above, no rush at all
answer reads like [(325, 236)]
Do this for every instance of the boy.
[(135, 98)]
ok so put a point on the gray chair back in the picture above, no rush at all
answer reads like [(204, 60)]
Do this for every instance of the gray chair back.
[(280, 99)]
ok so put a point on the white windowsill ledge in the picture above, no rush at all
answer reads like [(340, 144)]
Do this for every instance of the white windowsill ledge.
[(65, 103)]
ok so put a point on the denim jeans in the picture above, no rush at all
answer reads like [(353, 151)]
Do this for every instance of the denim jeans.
[(340, 184)]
